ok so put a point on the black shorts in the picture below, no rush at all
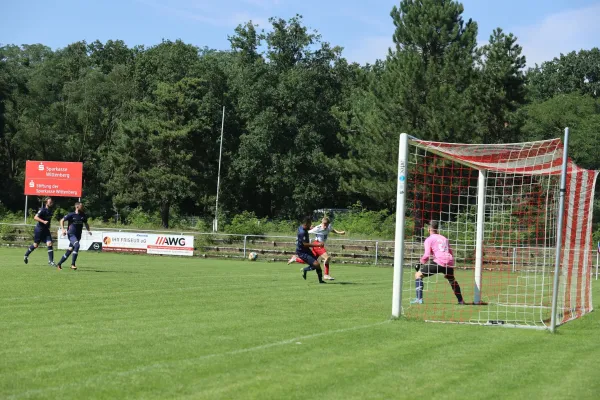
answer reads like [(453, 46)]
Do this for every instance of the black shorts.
[(40, 235), (433, 268), (307, 258)]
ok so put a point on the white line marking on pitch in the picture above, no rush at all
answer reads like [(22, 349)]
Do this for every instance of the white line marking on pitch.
[(126, 292), (193, 360)]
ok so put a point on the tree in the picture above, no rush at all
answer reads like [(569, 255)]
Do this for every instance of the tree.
[(288, 130), (211, 91), (431, 69), (572, 72), (366, 175), (581, 113), (304, 128), (106, 56), (173, 124), (28, 103), (424, 88), (501, 88), (166, 62), (151, 161), (95, 105)]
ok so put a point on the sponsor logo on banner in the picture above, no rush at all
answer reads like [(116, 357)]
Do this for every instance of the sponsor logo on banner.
[(172, 245), (170, 241), (131, 242), (88, 242), (124, 242), (53, 178)]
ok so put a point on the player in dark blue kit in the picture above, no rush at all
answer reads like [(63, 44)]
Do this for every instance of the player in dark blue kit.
[(42, 231), (303, 252), (76, 221)]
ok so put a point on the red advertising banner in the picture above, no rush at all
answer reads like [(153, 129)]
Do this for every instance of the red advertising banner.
[(53, 178)]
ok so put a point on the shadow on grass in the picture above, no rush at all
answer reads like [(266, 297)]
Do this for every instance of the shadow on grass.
[(106, 271)]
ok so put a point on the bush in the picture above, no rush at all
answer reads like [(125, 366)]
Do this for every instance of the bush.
[(596, 236), (17, 217), (246, 223), (463, 229), (202, 226), (8, 233), (59, 213), (142, 219), (280, 227), (367, 223)]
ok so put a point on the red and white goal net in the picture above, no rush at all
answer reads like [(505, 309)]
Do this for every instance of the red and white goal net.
[(499, 207)]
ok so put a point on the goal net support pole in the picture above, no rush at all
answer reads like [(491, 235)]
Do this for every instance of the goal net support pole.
[(561, 208), (479, 235), (400, 220)]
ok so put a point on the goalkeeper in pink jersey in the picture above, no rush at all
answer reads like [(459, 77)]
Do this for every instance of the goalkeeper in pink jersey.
[(442, 262)]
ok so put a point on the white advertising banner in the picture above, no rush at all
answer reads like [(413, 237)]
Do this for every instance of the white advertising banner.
[(124, 242), (87, 242), (149, 243), (171, 244)]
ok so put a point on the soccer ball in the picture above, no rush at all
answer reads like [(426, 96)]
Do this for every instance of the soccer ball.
[(252, 256)]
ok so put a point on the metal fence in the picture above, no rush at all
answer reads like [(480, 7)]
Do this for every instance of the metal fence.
[(343, 250), (228, 245)]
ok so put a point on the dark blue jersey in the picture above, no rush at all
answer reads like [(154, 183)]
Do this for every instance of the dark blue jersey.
[(45, 214), (76, 222), (302, 238)]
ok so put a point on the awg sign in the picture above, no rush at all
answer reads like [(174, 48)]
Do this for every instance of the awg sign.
[(53, 178), (171, 244)]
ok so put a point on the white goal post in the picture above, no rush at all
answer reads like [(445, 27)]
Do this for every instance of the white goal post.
[(518, 218)]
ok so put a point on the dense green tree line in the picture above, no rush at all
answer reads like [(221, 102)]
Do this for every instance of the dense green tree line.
[(304, 128)]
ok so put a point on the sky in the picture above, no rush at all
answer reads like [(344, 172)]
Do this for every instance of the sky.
[(364, 28)]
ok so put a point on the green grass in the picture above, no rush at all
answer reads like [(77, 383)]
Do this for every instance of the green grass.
[(131, 326), (519, 298)]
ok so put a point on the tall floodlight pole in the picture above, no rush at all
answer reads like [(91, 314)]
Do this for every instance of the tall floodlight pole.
[(216, 221)]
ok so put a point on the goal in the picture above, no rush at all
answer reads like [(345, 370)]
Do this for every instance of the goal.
[(519, 221)]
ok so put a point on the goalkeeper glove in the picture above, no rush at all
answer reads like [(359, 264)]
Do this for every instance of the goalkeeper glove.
[(417, 267)]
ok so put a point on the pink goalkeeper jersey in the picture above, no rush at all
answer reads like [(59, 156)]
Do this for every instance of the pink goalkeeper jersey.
[(442, 253)]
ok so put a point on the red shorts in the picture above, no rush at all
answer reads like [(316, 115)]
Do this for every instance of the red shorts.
[(317, 251)]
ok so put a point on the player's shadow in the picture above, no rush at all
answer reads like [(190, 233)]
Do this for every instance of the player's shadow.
[(107, 271)]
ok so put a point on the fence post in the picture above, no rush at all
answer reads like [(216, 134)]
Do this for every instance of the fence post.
[(376, 251), (245, 238)]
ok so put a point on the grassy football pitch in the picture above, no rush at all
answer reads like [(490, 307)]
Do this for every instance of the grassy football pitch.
[(135, 326)]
